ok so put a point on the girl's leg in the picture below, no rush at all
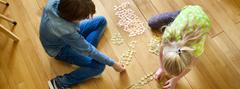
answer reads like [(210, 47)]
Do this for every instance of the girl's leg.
[(92, 29), (88, 67), (158, 21)]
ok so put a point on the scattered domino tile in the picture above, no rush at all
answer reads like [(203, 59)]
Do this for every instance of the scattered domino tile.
[(154, 45), (143, 81), (126, 57), (129, 21), (117, 39), (132, 44)]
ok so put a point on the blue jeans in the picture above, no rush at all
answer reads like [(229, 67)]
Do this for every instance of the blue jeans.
[(92, 30)]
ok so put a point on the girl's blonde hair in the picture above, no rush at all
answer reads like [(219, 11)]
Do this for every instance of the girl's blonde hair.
[(175, 61)]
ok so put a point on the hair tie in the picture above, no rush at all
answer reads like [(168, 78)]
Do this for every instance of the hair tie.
[(179, 51)]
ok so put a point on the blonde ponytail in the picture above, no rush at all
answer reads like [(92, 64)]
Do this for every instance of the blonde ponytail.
[(175, 62)]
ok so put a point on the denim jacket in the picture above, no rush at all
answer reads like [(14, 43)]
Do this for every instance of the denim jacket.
[(55, 33)]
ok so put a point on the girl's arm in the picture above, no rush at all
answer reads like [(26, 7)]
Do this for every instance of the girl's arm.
[(161, 54), (160, 70)]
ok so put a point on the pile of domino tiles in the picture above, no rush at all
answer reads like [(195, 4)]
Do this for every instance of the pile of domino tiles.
[(128, 20)]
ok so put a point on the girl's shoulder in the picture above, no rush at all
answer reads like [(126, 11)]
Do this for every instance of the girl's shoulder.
[(195, 15), (192, 15)]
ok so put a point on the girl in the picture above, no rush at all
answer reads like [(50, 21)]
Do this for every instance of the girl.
[(183, 41)]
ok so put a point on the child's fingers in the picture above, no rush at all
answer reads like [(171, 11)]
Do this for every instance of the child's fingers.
[(156, 77), (160, 78), (166, 83), (167, 86), (123, 67)]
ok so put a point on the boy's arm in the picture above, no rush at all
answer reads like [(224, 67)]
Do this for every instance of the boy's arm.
[(78, 43)]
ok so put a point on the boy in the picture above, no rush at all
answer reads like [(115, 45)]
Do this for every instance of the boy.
[(67, 39)]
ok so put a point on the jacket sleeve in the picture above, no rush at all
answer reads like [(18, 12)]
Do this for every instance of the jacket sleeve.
[(78, 43)]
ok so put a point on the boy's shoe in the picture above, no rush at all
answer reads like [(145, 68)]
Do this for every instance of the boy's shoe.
[(54, 84)]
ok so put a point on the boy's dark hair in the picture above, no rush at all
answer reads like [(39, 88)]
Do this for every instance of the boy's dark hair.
[(76, 9)]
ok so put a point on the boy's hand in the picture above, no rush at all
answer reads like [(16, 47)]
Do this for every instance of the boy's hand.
[(170, 84), (118, 67), (159, 74)]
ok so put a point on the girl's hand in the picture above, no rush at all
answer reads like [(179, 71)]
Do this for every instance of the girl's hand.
[(170, 84), (159, 74), (118, 67)]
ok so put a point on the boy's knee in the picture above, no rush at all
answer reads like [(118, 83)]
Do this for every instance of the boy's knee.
[(102, 20)]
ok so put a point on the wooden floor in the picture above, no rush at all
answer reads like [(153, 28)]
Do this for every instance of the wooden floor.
[(25, 65)]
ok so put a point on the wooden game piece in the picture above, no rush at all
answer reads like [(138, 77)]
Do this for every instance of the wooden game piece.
[(128, 20), (143, 81), (117, 39), (154, 45)]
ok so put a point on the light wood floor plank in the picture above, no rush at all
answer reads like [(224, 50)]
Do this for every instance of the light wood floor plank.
[(25, 65)]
